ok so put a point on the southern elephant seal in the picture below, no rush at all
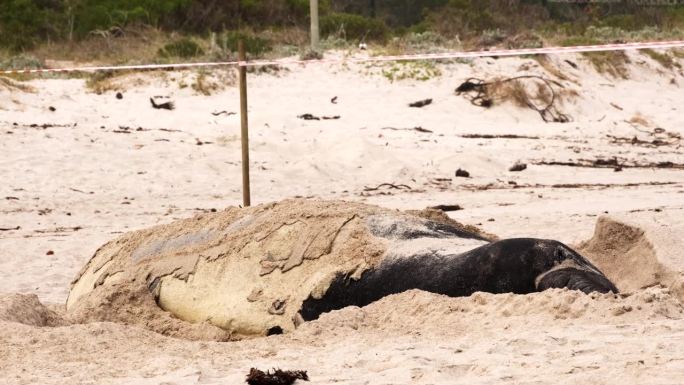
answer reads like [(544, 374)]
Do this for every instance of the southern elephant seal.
[(264, 269)]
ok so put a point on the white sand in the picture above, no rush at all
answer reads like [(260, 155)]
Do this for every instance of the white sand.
[(150, 177)]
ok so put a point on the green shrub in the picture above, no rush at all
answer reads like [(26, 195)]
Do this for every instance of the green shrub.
[(183, 48), (674, 17), (423, 40), (353, 27), (90, 15), (579, 41), (623, 22), (254, 45), (23, 23), (311, 55), (524, 40), (21, 62), (491, 37)]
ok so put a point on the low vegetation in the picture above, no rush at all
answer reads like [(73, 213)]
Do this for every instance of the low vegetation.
[(264, 24), (663, 58), (14, 85), (409, 70), (613, 63), (183, 48)]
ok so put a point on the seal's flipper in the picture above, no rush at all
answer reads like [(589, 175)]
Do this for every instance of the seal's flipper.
[(576, 279)]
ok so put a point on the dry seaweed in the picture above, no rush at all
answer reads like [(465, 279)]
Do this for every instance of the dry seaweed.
[(276, 377), (480, 93)]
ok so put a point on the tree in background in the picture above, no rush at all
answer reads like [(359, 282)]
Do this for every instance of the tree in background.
[(23, 23)]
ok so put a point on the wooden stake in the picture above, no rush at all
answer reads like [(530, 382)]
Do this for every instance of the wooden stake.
[(246, 198), (314, 24)]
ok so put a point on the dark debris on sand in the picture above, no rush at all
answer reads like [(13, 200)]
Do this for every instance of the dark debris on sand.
[(314, 117), (421, 103), (462, 173), (162, 106), (276, 377), (518, 167)]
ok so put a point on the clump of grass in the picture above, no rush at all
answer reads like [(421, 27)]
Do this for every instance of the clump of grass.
[(210, 82), (21, 62), (519, 94), (203, 85), (102, 81), (411, 70), (524, 40), (613, 63), (422, 41), (579, 41), (678, 53), (183, 48), (491, 37), (662, 58), (139, 45), (256, 46), (417, 42), (353, 27), (13, 85), (527, 93), (640, 120), (311, 54), (335, 42), (551, 68)]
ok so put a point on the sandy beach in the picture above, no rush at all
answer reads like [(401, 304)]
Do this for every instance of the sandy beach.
[(81, 168)]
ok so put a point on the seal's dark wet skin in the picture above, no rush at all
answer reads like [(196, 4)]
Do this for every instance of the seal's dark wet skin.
[(576, 279), (507, 266)]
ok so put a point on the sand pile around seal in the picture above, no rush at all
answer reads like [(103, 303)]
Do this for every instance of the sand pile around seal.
[(243, 272), (26, 309), (416, 310), (635, 254)]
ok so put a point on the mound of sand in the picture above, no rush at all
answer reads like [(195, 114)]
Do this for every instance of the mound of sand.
[(637, 254), (243, 272), (417, 310), (26, 309)]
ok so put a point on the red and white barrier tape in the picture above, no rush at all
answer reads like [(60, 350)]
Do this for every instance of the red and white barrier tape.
[(433, 56)]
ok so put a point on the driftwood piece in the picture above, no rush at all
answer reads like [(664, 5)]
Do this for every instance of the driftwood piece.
[(421, 103)]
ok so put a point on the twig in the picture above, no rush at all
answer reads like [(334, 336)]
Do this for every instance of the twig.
[(446, 208), (390, 185), (224, 113), (162, 106), (419, 129), (505, 136), (79, 191)]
